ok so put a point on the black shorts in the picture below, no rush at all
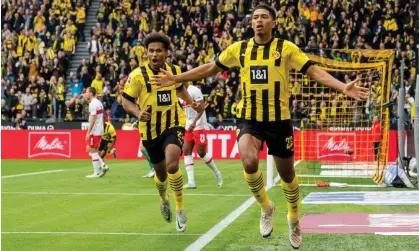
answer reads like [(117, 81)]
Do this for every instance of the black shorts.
[(104, 146), (155, 147), (278, 135)]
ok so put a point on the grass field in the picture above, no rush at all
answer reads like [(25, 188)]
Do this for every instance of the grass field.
[(65, 211)]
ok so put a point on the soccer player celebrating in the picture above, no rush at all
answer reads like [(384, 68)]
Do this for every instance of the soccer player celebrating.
[(196, 125), (94, 133), (263, 112), (162, 123), (108, 141)]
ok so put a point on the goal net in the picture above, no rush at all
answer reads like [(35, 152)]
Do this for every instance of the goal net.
[(339, 139)]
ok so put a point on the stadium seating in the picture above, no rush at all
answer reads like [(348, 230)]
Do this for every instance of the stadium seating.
[(38, 43)]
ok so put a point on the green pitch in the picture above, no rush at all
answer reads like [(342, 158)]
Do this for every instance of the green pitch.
[(65, 211)]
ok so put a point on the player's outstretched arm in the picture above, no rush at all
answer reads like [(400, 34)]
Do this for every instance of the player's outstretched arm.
[(182, 93), (350, 89), (198, 73)]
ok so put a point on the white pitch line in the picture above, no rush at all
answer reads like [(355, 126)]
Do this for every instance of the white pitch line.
[(104, 233), (378, 203), (346, 225), (331, 176), (202, 241), (126, 194), (349, 185), (78, 168), (29, 174), (397, 233)]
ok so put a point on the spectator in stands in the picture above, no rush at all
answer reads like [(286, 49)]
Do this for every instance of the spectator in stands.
[(97, 83), (76, 87), (85, 77), (42, 104), (69, 45), (77, 109), (107, 100), (60, 99), (94, 46), (81, 20), (117, 111), (11, 102), (27, 100), (20, 123)]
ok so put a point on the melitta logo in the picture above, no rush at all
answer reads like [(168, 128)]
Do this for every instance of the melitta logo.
[(45, 145), (49, 143), (335, 144)]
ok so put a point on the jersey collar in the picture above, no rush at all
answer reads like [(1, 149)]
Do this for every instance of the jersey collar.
[(156, 72), (270, 41)]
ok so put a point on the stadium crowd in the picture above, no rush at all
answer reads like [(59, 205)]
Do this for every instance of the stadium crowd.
[(38, 41)]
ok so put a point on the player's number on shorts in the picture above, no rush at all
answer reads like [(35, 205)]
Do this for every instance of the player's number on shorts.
[(202, 138), (289, 143)]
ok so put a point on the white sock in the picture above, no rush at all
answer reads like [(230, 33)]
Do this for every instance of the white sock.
[(210, 163), (101, 162), (188, 159), (96, 163)]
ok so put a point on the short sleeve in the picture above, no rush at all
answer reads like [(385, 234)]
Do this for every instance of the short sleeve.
[(298, 59), (197, 95), (132, 87), (92, 109), (178, 85), (229, 57)]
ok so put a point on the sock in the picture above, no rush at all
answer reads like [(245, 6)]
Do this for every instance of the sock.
[(101, 162), (292, 195), (176, 183), (95, 161), (188, 159), (210, 163), (257, 186), (161, 188), (145, 153)]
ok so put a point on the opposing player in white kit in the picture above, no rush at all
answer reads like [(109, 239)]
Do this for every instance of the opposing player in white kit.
[(94, 133), (195, 134)]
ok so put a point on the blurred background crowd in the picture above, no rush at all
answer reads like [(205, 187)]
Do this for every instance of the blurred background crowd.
[(39, 39)]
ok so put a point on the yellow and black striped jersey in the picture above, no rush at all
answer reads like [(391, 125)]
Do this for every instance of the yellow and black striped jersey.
[(164, 107), (109, 132), (264, 76)]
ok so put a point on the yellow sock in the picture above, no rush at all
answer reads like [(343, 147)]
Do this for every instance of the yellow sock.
[(176, 183), (161, 188), (257, 186), (292, 195)]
